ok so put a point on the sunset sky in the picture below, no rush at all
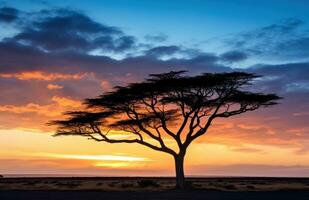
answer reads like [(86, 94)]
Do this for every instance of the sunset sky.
[(55, 53)]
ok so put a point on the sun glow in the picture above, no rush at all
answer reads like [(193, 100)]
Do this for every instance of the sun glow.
[(101, 157), (114, 165)]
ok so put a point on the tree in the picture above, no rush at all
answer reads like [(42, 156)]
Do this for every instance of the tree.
[(165, 106)]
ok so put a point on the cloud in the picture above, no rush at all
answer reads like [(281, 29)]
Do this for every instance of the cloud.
[(300, 114), (163, 50), (42, 76), (247, 150), (283, 78), (271, 127), (68, 41), (47, 110), (233, 56), (54, 87), (66, 102), (34, 59), (174, 51), (64, 29), (285, 40), (106, 85), (50, 110), (8, 14), (156, 37)]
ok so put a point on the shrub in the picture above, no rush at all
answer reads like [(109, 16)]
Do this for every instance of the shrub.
[(147, 183), (99, 184), (126, 185), (230, 187), (251, 187), (68, 184), (189, 185)]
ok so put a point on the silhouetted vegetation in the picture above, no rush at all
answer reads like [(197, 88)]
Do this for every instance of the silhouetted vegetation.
[(68, 184), (154, 184), (147, 183), (250, 187), (99, 184), (126, 185), (230, 187), (169, 105)]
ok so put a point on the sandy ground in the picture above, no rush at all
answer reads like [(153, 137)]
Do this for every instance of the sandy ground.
[(153, 188)]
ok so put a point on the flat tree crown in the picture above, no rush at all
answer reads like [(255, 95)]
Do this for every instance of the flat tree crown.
[(172, 104)]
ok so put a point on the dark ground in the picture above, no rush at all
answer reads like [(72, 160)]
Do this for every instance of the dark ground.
[(136, 188), (151, 195)]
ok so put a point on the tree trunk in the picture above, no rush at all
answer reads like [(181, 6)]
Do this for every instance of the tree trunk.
[(180, 176)]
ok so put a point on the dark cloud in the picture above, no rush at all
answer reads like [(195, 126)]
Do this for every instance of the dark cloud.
[(295, 47), (62, 29), (8, 14), (71, 21), (17, 56), (174, 51), (283, 78), (123, 43), (233, 56), (163, 50), (285, 40), (285, 27), (31, 58)]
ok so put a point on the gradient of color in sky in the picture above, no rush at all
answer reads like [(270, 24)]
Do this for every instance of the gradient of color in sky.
[(56, 53)]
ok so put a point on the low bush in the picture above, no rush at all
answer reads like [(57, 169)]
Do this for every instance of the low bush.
[(250, 187), (147, 183), (126, 185), (230, 187)]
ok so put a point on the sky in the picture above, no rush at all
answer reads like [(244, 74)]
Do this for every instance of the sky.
[(54, 54)]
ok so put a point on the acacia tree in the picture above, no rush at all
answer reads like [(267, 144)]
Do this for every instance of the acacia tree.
[(165, 106)]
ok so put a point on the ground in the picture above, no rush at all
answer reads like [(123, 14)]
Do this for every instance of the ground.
[(153, 188)]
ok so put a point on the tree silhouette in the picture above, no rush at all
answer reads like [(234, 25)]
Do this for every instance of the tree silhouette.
[(165, 106)]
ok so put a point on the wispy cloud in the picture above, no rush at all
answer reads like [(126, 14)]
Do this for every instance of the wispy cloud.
[(50, 110), (54, 86), (285, 40), (42, 76)]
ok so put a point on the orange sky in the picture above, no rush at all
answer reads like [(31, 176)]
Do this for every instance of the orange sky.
[(244, 145)]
